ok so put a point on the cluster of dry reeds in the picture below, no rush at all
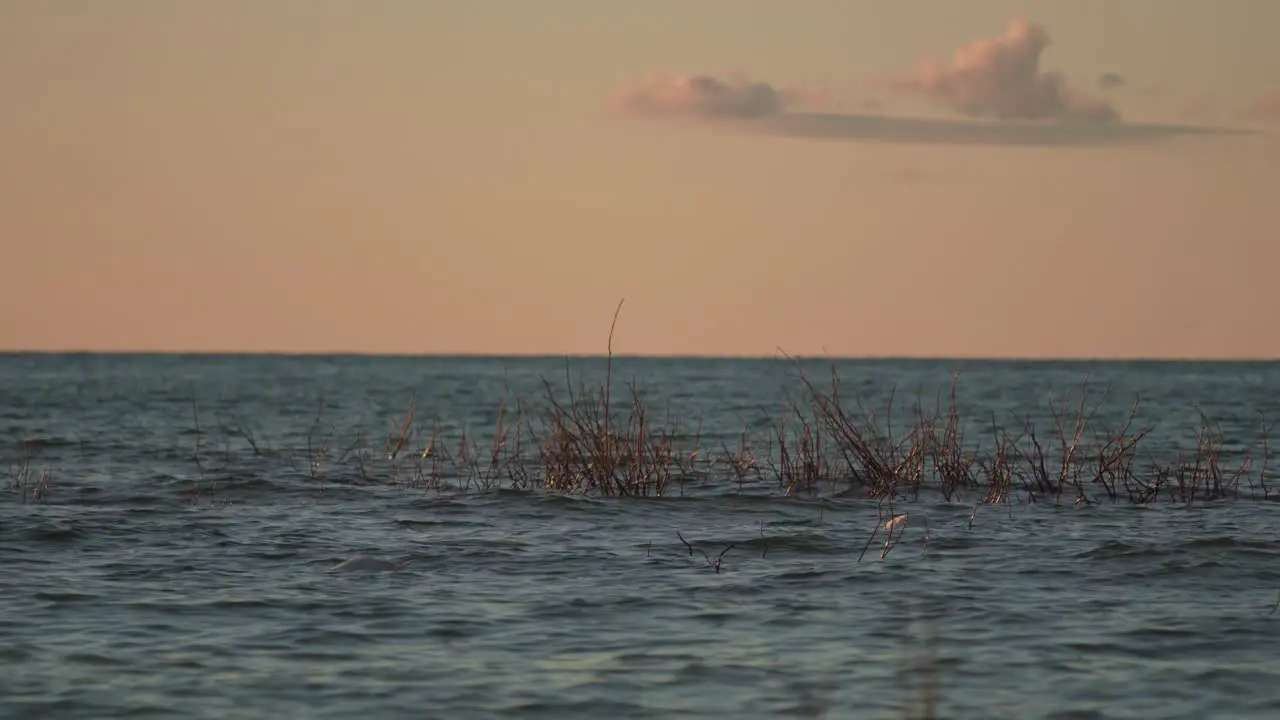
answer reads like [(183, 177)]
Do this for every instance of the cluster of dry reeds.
[(1073, 461), (590, 442), (31, 487)]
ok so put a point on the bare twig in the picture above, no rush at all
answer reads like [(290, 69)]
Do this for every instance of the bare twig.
[(713, 564)]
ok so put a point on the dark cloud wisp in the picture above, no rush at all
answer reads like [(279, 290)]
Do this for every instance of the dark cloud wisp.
[(699, 96), (889, 129)]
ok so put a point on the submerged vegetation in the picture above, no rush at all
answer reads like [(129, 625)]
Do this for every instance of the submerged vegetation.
[(590, 441), (587, 441), (29, 484), (593, 444)]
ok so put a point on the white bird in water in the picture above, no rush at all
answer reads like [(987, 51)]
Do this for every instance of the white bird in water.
[(367, 564), (897, 522)]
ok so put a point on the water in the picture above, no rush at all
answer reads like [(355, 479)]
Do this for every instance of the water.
[(145, 584)]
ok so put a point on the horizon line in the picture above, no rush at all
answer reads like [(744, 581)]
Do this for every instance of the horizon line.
[(645, 356)]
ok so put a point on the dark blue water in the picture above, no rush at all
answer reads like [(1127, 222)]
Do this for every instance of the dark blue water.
[(156, 563)]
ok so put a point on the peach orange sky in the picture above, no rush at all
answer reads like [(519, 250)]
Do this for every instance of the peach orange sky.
[(988, 177)]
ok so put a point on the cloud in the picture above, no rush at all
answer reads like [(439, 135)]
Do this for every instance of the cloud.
[(1265, 107), (1110, 80), (997, 83), (1000, 78), (700, 96)]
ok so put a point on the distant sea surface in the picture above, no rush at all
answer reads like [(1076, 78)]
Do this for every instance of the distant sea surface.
[(169, 554)]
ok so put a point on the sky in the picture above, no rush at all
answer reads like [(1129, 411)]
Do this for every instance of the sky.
[(1045, 178)]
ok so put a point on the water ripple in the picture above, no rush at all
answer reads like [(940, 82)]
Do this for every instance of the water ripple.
[(146, 586)]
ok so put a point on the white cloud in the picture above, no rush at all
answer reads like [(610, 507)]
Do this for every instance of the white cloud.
[(1001, 78)]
